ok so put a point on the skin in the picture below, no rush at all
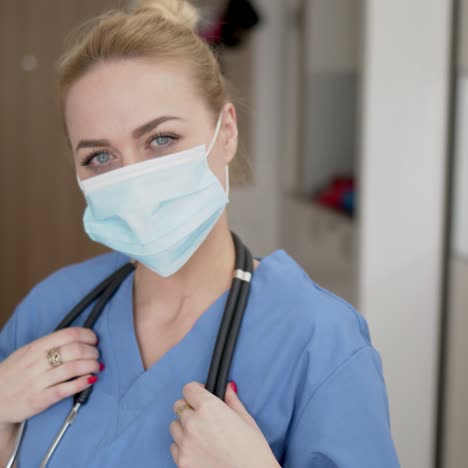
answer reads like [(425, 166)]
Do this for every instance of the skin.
[(111, 124)]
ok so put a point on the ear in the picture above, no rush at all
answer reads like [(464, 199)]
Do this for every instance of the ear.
[(229, 132)]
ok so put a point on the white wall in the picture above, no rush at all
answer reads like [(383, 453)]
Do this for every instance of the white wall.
[(403, 172)]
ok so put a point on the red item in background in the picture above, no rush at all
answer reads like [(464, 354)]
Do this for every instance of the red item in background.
[(333, 195)]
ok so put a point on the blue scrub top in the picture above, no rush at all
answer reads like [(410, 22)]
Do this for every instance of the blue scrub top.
[(304, 364)]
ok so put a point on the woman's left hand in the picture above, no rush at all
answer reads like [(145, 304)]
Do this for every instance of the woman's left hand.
[(217, 434)]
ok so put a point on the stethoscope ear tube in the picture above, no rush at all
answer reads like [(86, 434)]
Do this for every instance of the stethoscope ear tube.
[(224, 327), (92, 296), (230, 325), (118, 279), (233, 335)]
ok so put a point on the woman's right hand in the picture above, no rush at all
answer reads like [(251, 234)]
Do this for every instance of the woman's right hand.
[(30, 385)]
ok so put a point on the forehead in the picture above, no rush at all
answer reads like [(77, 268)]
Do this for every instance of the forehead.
[(122, 94)]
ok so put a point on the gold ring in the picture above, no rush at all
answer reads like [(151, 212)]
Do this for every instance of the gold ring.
[(54, 358), (182, 408)]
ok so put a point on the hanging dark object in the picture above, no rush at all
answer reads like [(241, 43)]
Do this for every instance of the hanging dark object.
[(233, 27)]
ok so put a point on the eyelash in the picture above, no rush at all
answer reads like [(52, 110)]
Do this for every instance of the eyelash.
[(172, 135), (87, 161)]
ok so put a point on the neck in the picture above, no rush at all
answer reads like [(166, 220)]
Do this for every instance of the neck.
[(206, 275)]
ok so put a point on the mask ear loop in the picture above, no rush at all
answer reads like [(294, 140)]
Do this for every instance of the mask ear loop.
[(218, 127), (79, 182)]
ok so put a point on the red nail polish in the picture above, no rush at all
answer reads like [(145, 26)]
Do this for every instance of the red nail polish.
[(92, 379), (101, 367), (234, 386)]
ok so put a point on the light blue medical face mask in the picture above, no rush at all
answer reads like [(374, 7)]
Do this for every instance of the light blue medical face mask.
[(157, 212)]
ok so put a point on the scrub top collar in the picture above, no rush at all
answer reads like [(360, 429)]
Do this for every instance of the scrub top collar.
[(184, 362)]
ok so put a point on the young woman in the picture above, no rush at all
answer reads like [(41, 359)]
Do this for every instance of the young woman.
[(153, 132)]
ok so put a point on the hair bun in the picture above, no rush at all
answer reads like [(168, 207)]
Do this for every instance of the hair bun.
[(177, 11)]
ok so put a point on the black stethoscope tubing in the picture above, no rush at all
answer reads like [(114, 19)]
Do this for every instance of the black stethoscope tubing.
[(102, 295), (230, 325), (225, 343)]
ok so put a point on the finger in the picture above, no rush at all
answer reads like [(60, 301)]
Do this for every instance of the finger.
[(196, 394), (68, 335), (75, 351), (183, 410), (69, 370), (175, 453), (177, 432), (233, 401), (56, 393), (179, 406)]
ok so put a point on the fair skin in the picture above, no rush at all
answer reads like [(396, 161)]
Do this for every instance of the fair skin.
[(111, 124)]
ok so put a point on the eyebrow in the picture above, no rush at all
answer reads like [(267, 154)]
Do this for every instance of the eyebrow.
[(137, 133)]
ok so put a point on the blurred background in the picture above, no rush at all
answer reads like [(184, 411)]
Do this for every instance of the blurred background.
[(354, 116)]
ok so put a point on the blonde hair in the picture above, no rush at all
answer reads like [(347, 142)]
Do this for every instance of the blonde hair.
[(157, 28)]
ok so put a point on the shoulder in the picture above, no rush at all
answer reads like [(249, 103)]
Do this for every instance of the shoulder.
[(321, 329), (51, 299), (315, 309)]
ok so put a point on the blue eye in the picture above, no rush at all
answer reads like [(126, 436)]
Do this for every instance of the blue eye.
[(97, 159), (102, 158), (163, 140)]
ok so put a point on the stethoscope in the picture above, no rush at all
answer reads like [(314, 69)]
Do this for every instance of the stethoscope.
[(222, 354)]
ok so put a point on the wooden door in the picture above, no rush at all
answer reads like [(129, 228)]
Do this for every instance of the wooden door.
[(40, 204)]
